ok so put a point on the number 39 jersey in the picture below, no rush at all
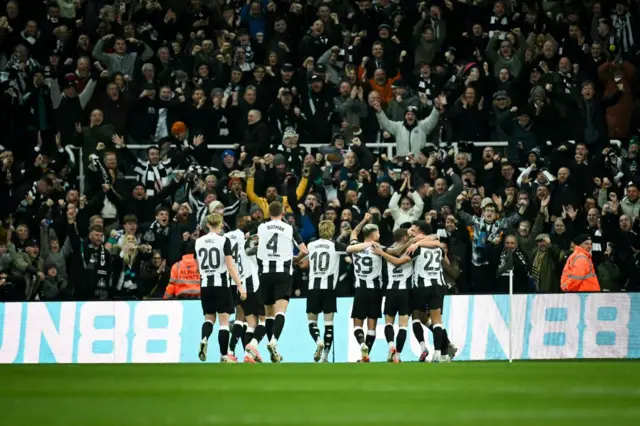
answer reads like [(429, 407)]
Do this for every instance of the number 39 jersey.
[(427, 267), (211, 250), (367, 267), (246, 267), (275, 247), (324, 264)]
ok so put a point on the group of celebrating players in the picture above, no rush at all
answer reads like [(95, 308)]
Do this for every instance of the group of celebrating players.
[(409, 275)]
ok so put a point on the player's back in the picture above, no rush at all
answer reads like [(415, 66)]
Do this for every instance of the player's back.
[(398, 276), (210, 252), (275, 247), (428, 267), (244, 264), (324, 264), (367, 267)]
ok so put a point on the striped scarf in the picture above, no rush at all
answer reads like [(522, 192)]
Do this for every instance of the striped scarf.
[(623, 31)]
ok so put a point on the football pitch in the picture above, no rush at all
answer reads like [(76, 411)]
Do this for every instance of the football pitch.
[(462, 393)]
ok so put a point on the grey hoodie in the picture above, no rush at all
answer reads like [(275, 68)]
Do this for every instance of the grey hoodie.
[(59, 258)]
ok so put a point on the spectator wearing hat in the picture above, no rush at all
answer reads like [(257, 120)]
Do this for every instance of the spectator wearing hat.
[(27, 267), (546, 261), (54, 286), (410, 134), (630, 166), (283, 114), (520, 130), (579, 274), (316, 104)]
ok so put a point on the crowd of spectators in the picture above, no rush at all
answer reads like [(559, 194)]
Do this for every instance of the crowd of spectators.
[(555, 80)]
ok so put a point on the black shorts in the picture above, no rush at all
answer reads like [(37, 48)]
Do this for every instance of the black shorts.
[(216, 300), (367, 304), (253, 304), (396, 302), (322, 301), (423, 298), (275, 286)]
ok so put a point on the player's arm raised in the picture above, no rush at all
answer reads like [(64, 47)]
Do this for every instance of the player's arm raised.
[(233, 271), (358, 228)]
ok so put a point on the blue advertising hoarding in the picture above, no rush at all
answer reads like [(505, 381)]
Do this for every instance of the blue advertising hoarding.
[(562, 326)]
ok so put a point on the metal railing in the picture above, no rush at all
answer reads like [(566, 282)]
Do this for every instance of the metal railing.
[(389, 146)]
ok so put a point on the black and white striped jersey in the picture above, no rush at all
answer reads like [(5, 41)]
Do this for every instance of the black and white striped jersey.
[(275, 247), (246, 268), (367, 267), (427, 267), (324, 264), (399, 277), (211, 250)]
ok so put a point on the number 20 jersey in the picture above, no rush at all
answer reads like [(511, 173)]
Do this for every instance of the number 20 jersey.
[(427, 267), (367, 267), (324, 264), (275, 247), (211, 250)]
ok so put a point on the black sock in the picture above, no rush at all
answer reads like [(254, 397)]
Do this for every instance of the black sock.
[(438, 337), (314, 331), (446, 342), (268, 324), (401, 339), (248, 336), (244, 331), (236, 333), (389, 332), (207, 329), (371, 338), (418, 331), (359, 334), (223, 339), (259, 333), (328, 336), (278, 326)]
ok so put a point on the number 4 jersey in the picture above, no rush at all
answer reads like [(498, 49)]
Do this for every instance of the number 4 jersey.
[(324, 264), (211, 250), (275, 247), (247, 269), (427, 267)]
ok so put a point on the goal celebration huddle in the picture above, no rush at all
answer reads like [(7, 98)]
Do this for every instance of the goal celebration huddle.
[(248, 272)]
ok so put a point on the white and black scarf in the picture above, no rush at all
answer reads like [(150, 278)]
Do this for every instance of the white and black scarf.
[(345, 56), (623, 31)]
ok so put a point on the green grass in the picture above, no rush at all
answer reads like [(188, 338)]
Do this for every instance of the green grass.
[(487, 393)]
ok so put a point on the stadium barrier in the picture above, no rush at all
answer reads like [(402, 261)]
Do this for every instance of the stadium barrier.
[(562, 326)]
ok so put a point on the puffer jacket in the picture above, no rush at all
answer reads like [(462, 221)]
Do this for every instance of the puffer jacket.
[(409, 140), (401, 216)]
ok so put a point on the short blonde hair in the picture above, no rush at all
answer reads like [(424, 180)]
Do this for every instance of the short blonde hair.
[(326, 229), (214, 220)]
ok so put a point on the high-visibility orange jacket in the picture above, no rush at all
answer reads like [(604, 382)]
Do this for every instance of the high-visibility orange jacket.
[(579, 274), (185, 279)]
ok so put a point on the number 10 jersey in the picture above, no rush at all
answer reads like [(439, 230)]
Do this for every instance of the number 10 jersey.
[(324, 264)]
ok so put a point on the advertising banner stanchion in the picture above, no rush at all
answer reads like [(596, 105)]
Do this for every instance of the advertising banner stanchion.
[(511, 316)]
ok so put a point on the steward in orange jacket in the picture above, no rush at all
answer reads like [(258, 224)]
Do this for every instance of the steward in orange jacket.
[(185, 278), (578, 273)]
